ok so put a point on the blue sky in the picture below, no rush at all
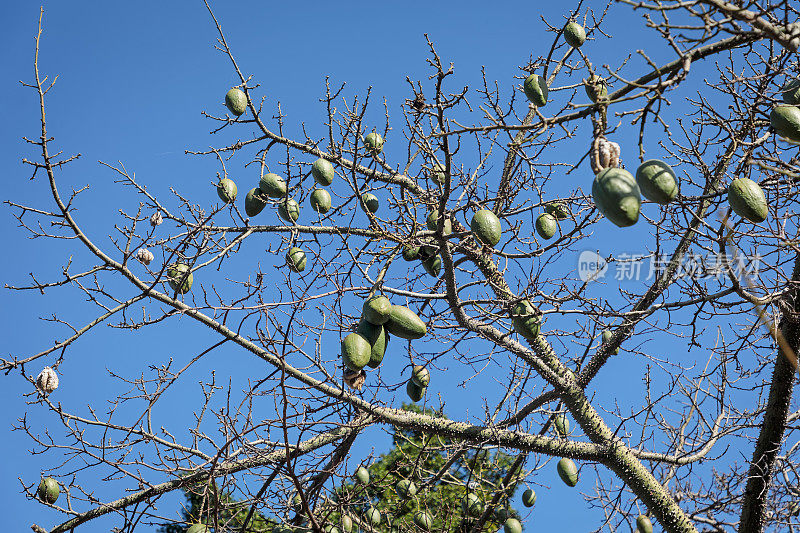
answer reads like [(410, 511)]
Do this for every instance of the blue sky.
[(133, 80)]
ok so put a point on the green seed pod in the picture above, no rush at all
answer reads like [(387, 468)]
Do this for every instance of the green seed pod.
[(320, 201), (410, 253), (197, 528), (414, 391), (525, 320), (561, 425), (377, 310), (423, 520), (574, 34), (48, 490), (747, 200), (236, 101), (405, 488), (362, 475), (421, 376), (272, 185), (289, 210), (657, 181), (370, 201), (296, 259), (528, 498), (323, 173), (643, 524), (374, 143), (226, 190), (433, 220), (254, 202), (535, 87), (568, 471), (437, 173), (546, 226), (178, 278), (433, 265), (607, 337), (486, 227), (596, 88), (512, 525)]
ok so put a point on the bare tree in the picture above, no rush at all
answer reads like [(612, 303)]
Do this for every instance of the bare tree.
[(710, 446)]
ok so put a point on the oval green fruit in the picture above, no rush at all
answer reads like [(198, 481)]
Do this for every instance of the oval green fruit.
[(374, 516), (254, 202), (376, 310), (178, 278), (421, 376), (426, 251), (500, 513), (471, 505), (568, 471), (362, 475), (525, 320), (236, 102), (512, 525), (438, 173), (404, 323), (331, 529), (433, 265), (607, 337), (433, 220), (528, 498), (785, 119), (423, 520), (377, 338), (657, 181), (596, 88), (616, 195), (320, 201), (561, 425), (747, 200), (535, 87), (557, 210), (405, 488), (643, 524), (410, 253), (272, 185), (574, 34), (197, 528), (48, 490), (347, 524), (486, 227), (546, 225), (323, 173), (355, 352), (414, 391), (296, 259), (369, 202), (374, 143), (226, 190), (289, 210), (791, 92)]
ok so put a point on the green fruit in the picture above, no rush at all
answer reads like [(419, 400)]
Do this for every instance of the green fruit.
[(331, 529), (528, 498), (568, 471), (643, 524), (791, 92), (373, 143), (410, 253), (557, 210), (236, 101), (48, 490), (405, 488), (254, 202), (794, 509), (561, 425), (322, 170), (596, 88), (512, 525), (197, 528), (546, 225), (374, 516), (414, 391), (421, 376), (289, 210), (747, 200), (486, 227), (320, 201), (500, 514), (369, 202), (362, 475), (377, 338), (272, 185), (535, 87), (433, 220), (404, 323), (178, 278), (616, 195), (296, 259), (472, 505), (376, 310), (433, 265), (423, 520), (574, 34), (438, 173), (786, 121), (607, 337), (355, 352), (657, 181), (347, 524), (226, 190), (525, 320)]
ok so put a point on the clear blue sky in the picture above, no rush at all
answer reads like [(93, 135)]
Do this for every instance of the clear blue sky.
[(133, 80)]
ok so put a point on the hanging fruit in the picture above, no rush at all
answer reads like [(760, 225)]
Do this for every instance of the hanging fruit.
[(323, 173), (535, 87), (616, 195), (236, 102)]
